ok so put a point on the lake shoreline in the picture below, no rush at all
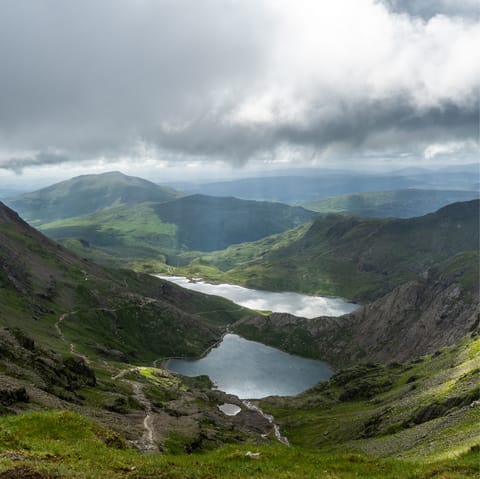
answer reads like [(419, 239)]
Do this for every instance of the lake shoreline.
[(214, 282), (185, 282), (253, 370), (164, 361), (297, 304)]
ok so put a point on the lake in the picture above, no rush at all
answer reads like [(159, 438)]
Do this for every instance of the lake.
[(285, 302), (251, 370)]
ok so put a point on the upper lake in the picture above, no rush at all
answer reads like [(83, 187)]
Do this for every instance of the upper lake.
[(286, 302)]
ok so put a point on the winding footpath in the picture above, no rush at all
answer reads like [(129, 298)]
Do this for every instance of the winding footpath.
[(64, 339), (145, 443)]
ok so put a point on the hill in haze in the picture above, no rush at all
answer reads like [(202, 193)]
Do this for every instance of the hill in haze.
[(395, 203), (302, 185), (299, 189), (87, 194)]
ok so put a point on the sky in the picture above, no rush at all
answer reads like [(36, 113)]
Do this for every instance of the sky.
[(182, 89)]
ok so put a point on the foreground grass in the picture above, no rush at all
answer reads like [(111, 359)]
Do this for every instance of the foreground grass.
[(64, 444)]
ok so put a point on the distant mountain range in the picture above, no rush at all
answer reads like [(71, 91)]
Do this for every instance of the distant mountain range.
[(302, 185), (129, 217), (395, 203)]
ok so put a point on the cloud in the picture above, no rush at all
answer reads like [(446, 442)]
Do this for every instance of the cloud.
[(17, 165), (234, 80), (430, 8)]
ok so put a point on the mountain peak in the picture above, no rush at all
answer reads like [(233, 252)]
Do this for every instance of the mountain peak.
[(87, 194)]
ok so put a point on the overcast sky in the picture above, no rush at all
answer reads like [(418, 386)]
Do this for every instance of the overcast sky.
[(171, 88)]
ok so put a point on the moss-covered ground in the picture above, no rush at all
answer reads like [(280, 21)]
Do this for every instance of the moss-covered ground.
[(64, 444)]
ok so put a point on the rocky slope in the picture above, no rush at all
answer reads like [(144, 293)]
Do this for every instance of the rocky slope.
[(76, 336), (418, 317)]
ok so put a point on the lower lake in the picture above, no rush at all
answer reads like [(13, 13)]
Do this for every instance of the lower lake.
[(251, 370)]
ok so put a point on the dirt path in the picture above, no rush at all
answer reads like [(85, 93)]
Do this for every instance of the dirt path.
[(146, 443), (72, 349)]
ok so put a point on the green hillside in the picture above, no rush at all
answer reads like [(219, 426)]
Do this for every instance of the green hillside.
[(86, 194), (423, 409), (395, 203), (41, 281), (64, 444), (207, 223), (157, 230), (356, 258)]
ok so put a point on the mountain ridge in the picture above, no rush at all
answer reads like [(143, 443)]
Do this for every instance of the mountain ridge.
[(436, 310), (353, 257)]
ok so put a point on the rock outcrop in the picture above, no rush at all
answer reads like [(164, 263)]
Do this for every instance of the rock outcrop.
[(416, 318)]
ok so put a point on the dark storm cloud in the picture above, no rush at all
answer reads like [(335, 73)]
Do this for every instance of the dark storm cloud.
[(230, 79), (377, 125), (92, 75), (17, 165)]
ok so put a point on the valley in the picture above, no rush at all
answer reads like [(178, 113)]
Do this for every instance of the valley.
[(239, 239), (85, 348)]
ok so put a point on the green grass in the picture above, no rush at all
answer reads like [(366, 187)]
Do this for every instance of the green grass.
[(65, 444), (161, 231), (417, 410), (119, 231)]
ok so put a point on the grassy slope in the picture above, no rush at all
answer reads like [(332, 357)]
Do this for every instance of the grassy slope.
[(394, 203), (357, 258), (419, 410), (110, 309), (209, 223), (65, 444), (122, 231), (157, 230)]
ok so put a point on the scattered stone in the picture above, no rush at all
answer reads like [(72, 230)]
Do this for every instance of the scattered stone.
[(12, 396), (229, 409), (252, 455)]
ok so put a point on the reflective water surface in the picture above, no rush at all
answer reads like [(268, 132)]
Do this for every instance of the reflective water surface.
[(286, 302), (251, 370)]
